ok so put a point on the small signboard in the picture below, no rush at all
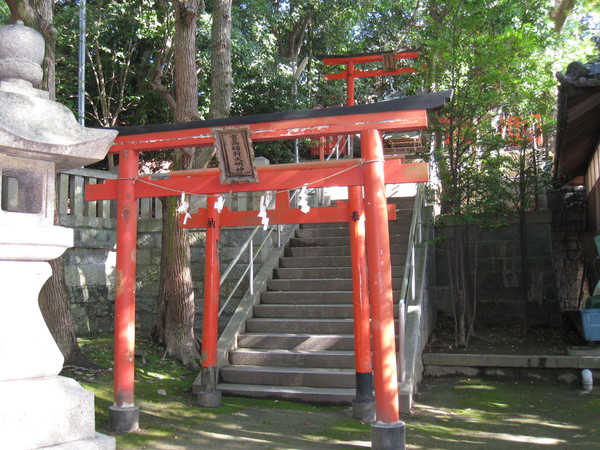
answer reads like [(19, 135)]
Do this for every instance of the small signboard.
[(389, 62), (236, 156)]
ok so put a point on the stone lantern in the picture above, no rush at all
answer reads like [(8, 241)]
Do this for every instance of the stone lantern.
[(38, 137)]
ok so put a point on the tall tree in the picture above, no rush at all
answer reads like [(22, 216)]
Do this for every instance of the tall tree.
[(53, 298), (176, 306), (506, 70), (483, 70)]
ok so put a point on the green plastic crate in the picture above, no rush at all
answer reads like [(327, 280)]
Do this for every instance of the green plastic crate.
[(591, 324), (593, 302)]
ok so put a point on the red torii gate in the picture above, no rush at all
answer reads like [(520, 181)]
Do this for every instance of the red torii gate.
[(347, 173), (368, 120)]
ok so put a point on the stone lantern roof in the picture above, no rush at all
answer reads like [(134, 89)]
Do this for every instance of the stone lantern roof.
[(31, 125)]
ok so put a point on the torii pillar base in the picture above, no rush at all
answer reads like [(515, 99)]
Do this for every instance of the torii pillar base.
[(363, 409), (388, 436), (123, 419), (208, 395)]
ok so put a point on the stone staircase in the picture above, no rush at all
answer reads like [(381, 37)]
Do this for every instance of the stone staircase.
[(298, 345)]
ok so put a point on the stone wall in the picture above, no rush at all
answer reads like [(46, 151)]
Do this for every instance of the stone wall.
[(496, 271), (90, 271)]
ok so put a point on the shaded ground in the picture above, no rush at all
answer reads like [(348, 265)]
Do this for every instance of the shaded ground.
[(460, 413), (503, 340), (450, 413)]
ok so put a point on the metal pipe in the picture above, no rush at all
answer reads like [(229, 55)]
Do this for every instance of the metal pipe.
[(240, 279), (251, 267)]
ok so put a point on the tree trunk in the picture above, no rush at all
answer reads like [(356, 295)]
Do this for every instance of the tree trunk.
[(221, 72), (458, 270), (55, 308), (176, 306), (176, 310)]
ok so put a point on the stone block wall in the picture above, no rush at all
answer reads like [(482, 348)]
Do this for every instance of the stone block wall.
[(495, 267), (90, 272)]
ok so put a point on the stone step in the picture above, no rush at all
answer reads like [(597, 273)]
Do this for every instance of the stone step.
[(324, 225), (323, 232), (316, 326), (304, 311), (321, 284), (313, 272), (344, 250), (293, 393), (296, 341), (320, 241), (289, 376), (311, 261), (401, 226), (336, 241), (317, 272), (307, 311), (311, 297), (291, 297), (343, 359)]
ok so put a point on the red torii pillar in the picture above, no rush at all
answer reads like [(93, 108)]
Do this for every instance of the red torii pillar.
[(123, 415), (388, 432), (209, 396)]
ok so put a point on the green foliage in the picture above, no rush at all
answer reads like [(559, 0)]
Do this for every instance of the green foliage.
[(4, 14), (498, 59)]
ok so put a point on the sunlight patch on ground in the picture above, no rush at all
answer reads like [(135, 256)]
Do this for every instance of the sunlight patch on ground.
[(519, 438), (498, 405), (479, 387), (435, 411), (228, 437), (536, 420), (365, 444)]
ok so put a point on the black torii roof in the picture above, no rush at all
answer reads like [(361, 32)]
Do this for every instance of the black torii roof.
[(578, 120), (429, 102)]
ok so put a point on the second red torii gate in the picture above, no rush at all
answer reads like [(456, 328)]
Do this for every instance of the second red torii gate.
[(368, 120)]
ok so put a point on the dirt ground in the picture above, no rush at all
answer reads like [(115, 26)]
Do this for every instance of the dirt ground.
[(502, 340)]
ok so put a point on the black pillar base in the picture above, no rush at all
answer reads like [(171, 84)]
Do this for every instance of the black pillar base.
[(388, 436), (363, 405), (123, 419)]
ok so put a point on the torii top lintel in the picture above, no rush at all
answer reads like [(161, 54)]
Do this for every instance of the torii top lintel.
[(350, 60), (406, 114)]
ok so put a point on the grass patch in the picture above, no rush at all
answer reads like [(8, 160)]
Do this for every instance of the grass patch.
[(474, 413), (170, 418), (449, 413)]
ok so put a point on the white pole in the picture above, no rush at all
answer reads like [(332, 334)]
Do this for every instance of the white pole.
[(81, 74)]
